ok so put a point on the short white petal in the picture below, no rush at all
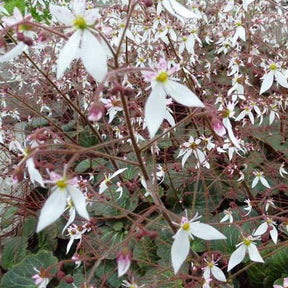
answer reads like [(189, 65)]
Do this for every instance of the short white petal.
[(254, 254), (281, 80), (274, 234), (264, 182), (180, 249), (79, 201), (236, 257), (155, 109), (261, 229), (62, 14), (14, 52), (34, 174), (52, 209), (267, 82), (79, 7), (91, 15), (218, 273), (93, 56), (123, 267), (68, 53), (181, 94), (205, 231)]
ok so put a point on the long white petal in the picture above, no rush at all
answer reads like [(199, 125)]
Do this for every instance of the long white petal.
[(254, 254), (264, 182), (180, 249), (52, 209), (181, 10), (228, 126), (93, 56), (78, 200), (185, 157), (255, 182), (236, 257), (181, 94), (274, 234), (72, 212), (218, 273), (91, 15), (62, 14), (155, 109), (68, 53), (34, 174), (117, 173), (267, 82), (205, 231), (103, 186), (14, 52), (261, 229), (280, 78)]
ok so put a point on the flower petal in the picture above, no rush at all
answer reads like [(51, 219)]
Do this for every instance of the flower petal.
[(91, 15), (281, 80), (254, 254), (274, 234), (117, 173), (264, 182), (34, 174), (218, 273), (68, 53), (62, 14), (78, 200), (255, 182), (93, 56), (155, 109), (181, 94), (267, 82), (236, 257), (79, 7), (14, 52), (181, 10), (180, 249), (261, 229), (205, 231), (52, 209)]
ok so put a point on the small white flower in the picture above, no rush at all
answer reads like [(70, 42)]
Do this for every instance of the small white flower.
[(189, 229), (246, 246), (228, 216), (267, 225), (249, 207), (56, 203), (212, 268), (282, 171), (259, 176), (104, 184), (82, 44)]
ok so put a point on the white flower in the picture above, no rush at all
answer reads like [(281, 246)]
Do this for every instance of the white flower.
[(41, 280), (259, 176), (56, 203), (246, 3), (275, 71), (249, 207), (228, 216), (267, 225), (188, 229), (239, 33), (282, 171), (247, 245), (155, 107), (104, 184), (82, 44), (211, 268)]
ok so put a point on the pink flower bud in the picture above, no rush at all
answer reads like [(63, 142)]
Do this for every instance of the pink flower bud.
[(96, 112), (123, 261), (218, 127)]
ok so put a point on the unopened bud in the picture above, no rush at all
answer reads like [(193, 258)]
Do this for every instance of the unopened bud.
[(148, 3), (69, 279), (123, 261), (218, 127), (96, 112)]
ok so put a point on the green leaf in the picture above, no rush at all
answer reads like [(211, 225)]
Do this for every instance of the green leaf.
[(48, 237), (11, 4), (14, 251), (29, 227), (87, 139), (87, 164), (20, 275), (8, 217)]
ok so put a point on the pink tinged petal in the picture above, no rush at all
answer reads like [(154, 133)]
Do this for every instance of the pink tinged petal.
[(68, 53), (123, 265), (205, 231), (79, 7), (255, 181), (285, 283), (181, 94), (254, 254), (261, 229), (180, 249), (93, 56), (52, 209), (237, 256), (62, 14), (267, 82), (91, 16), (34, 174), (274, 234), (218, 273), (155, 109), (281, 79), (14, 52), (79, 201), (264, 182), (277, 286)]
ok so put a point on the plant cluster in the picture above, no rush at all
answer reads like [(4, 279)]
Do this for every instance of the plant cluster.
[(144, 143)]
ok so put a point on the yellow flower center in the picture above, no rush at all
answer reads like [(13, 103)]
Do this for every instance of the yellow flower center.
[(193, 146), (238, 24), (61, 184), (186, 226), (273, 66), (80, 22), (226, 113), (247, 241), (162, 77), (210, 265)]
